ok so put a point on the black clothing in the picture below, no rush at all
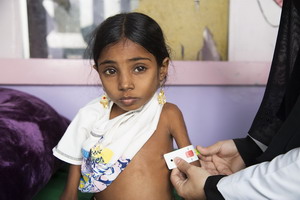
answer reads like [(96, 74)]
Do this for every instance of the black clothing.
[(273, 124), (277, 122)]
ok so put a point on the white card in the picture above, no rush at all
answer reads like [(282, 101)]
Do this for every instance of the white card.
[(188, 153)]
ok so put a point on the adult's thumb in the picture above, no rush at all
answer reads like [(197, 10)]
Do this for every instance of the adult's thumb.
[(182, 165)]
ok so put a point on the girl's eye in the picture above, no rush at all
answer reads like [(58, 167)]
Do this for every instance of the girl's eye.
[(110, 71), (140, 69)]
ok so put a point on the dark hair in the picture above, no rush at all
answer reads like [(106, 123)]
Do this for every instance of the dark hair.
[(137, 27)]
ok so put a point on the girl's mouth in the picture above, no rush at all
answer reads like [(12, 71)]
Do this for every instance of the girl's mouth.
[(128, 101)]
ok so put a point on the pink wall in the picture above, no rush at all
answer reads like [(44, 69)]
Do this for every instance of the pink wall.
[(80, 72), (218, 99)]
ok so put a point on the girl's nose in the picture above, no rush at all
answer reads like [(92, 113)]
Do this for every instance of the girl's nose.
[(125, 82)]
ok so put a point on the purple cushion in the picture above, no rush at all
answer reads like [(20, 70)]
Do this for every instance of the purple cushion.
[(29, 129)]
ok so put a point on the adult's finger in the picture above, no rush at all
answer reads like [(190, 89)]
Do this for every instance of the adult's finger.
[(210, 167), (177, 178), (179, 175), (182, 165), (208, 151)]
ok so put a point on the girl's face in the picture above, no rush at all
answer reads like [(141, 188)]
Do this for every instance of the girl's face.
[(129, 74)]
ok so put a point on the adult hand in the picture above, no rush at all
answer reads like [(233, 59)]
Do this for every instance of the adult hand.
[(189, 180), (221, 158)]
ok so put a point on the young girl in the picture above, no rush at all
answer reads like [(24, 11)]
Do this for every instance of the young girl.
[(115, 144)]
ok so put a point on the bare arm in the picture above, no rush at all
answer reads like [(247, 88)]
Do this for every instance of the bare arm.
[(178, 128), (71, 190)]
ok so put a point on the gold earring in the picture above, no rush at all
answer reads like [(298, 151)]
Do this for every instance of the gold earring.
[(161, 97), (104, 101)]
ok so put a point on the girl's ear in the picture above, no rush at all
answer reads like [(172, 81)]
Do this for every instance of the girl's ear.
[(163, 70)]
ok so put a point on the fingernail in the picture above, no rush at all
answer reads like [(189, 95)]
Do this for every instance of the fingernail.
[(177, 160)]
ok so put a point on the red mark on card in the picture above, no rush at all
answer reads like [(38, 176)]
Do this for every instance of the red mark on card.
[(189, 153)]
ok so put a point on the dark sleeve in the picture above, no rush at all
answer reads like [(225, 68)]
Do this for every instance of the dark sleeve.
[(210, 188), (283, 86), (248, 150)]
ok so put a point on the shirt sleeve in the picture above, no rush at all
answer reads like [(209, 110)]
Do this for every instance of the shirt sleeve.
[(69, 147), (210, 188), (277, 179), (248, 150)]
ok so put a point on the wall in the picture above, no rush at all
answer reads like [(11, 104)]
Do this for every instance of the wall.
[(211, 113), (253, 27), (251, 33), (192, 26), (218, 99)]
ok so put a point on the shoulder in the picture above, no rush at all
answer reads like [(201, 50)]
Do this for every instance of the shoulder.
[(171, 110), (174, 120), (91, 110), (92, 105), (88, 115)]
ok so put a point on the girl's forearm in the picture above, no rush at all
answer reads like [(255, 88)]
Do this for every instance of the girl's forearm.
[(71, 190)]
